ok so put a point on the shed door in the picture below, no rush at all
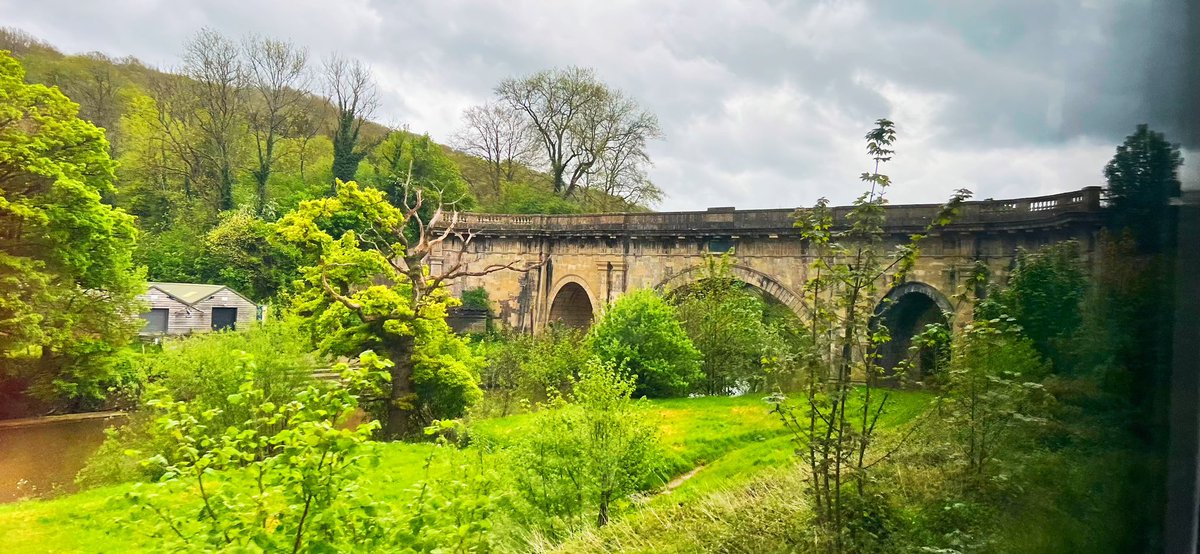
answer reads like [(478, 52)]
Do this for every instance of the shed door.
[(156, 321), (224, 318)]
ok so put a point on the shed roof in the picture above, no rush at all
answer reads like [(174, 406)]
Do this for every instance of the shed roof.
[(191, 293)]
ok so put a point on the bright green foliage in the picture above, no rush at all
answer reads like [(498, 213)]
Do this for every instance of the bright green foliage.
[(349, 242), (453, 507), (149, 189), (524, 369), (640, 332), (725, 321), (587, 454), (415, 159), (67, 282), (1043, 294), (1142, 178), (992, 393), (204, 370), (282, 480), (519, 198)]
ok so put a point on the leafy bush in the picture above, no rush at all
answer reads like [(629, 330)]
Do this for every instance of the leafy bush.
[(584, 455), (725, 321), (204, 370), (476, 298), (641, 333), (281, 479), (1043, 294), (531, 369), (992, 393)]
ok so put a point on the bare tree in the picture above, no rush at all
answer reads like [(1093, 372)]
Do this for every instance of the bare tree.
[(619, 174), (214, 64), (305, 124), (576, 120), (277, 82), (351, 89), (177, 152), (497, 133)]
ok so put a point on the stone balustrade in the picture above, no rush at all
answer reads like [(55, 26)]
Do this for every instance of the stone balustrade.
[(905, 217)]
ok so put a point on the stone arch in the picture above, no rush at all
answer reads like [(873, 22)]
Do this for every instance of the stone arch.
[(750, 276), (571, 303), (906, 310)]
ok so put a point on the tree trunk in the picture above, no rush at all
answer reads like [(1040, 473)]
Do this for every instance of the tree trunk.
[(602, 517), (401, 417)]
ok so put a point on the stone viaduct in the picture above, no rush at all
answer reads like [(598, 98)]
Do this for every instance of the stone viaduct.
[(592, 259)]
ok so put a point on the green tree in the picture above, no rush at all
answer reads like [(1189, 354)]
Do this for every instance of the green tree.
[(404, 158), (217, 86), (725, 322), (835, 425), (1142, 178), (275, 71), (641, 333), (67, 281), (588, 453), (349, 244), (1043, 294), (243, 256)]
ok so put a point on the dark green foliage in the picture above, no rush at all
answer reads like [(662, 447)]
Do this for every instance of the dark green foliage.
[(1043, 294), (641, 333), (405, 158), (477, 299), (1142, 178)]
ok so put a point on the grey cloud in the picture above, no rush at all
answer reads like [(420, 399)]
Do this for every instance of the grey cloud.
[(763, 103)]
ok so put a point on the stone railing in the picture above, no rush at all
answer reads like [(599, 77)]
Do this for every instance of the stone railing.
[(985, 212)]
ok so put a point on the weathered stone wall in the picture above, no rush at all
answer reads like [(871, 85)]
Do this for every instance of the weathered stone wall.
[(609, 254)]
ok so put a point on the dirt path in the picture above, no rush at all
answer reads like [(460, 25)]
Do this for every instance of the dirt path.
[(676, 482)]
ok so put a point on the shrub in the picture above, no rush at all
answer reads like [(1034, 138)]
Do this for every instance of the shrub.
[(204, 370), (531, 368), (279, 480), (725, 321), (476, 298), (992, 393), (641, 334), (586, 454)]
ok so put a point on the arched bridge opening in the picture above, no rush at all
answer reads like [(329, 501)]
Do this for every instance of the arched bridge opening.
[(773, 293), (906, 311), (571, 307)]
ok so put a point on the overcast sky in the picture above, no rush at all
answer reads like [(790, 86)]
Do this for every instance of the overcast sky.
[(763, 104)]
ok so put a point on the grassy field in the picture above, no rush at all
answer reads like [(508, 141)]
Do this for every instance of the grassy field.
[(729, 439)]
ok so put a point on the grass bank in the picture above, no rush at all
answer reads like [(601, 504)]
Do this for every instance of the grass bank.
[(733, 439)]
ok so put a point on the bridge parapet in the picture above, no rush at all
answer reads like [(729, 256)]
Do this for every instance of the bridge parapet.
[(901, 217)]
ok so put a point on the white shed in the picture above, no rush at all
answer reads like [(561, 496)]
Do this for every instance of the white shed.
[(182, 308)]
